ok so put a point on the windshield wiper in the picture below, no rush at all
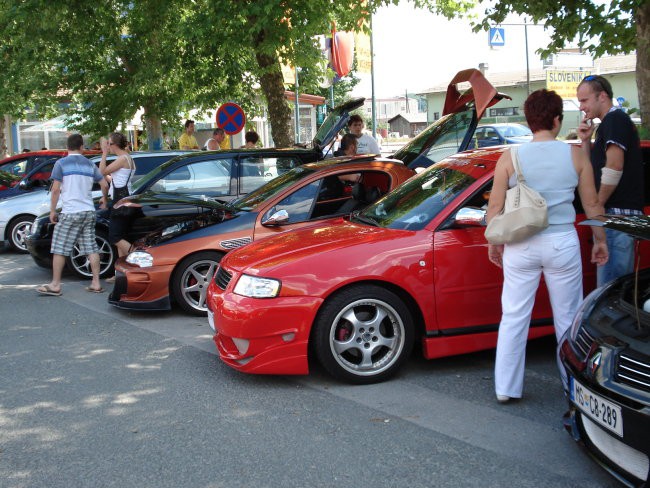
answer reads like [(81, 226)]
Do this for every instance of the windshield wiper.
[(365, 219)]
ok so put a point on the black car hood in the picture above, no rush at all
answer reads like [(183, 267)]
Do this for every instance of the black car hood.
[(636, 225), (169, 198)]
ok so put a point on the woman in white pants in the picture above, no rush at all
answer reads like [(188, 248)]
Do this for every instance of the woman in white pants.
[(554, 169)]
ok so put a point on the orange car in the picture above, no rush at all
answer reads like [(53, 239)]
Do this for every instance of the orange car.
[(177, 263)]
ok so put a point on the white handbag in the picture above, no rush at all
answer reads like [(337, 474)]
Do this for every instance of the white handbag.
[(524, 213)]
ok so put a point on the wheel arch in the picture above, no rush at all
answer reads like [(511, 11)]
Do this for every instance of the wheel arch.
[(405, 296), (193, 253), (14, 218)]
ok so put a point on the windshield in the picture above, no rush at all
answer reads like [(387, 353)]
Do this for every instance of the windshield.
[(276, 185), (441, 139), (515, 130), (413, 204)]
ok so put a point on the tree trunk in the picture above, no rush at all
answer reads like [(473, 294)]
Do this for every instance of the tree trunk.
[(643, 64), (154, 130), (278, 107), (3, 139)]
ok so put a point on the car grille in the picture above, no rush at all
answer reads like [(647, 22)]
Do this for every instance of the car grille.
[(222, 278), (583, 343), (634, 372), (633, 461), (235, 243)]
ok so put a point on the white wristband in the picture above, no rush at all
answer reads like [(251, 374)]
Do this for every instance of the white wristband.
[(610, 177)]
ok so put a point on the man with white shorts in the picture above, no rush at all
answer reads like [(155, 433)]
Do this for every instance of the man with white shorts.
[(73, 178)]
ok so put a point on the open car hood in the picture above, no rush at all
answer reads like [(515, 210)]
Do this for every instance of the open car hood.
[(169, 198), (453, 132), (334, 122), (636, 225)]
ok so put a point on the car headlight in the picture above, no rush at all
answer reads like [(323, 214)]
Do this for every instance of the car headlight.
[(584, 309), (254, 287), (34, 228), (140, 258)]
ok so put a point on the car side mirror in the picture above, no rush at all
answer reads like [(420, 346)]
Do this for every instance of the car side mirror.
[(470, 216), (278, 218)]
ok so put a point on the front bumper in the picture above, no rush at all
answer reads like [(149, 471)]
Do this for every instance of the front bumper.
[(262, 336), (139, 288), (627, 458)]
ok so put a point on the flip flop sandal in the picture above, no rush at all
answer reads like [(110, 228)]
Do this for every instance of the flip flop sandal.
[(46, 290), (90, 289)]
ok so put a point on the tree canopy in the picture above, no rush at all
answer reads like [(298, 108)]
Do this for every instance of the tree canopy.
[(107, 59)]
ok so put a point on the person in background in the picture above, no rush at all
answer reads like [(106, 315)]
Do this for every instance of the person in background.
[(214, 143), (554, 169), (26, 150), (73, 177), (618, 168), (251, 138), (348, 146), (120, 172), (187, 139), (365, 143)]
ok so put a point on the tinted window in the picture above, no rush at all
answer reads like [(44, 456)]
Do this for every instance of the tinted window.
[(275, 185), (441, 139)]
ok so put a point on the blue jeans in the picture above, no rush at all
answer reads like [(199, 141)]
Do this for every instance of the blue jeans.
[(621, 257)]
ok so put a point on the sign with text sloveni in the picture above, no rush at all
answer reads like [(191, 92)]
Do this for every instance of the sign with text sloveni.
[(564, 82)]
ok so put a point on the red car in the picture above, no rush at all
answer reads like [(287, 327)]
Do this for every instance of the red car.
[(357, 294)]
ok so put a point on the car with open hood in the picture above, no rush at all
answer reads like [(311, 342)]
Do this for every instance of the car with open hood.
[(219, 175), (606, 355), (19, 215), (357, 294), (176, 263)]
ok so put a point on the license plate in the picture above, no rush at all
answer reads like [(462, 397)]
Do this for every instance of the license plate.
[(597, 408), (211, 320)]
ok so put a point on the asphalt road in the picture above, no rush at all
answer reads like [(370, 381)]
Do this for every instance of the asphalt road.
[(92, 396)]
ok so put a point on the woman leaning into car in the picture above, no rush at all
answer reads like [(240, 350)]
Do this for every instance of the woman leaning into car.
[(554, 169), (121, 173)]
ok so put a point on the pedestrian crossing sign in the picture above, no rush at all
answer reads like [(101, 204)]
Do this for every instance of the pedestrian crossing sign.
[(497, 37)]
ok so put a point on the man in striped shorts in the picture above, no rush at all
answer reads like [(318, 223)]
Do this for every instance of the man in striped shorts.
[(73, 177)]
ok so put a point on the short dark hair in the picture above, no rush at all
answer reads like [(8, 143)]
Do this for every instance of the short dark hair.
[(251, 136), (541, 107), (354, 118), (75, 142), (188, 122), (218, 130), (348, 140), (598, 84)]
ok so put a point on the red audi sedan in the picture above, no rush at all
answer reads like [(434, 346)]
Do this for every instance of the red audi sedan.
[(357, 294)]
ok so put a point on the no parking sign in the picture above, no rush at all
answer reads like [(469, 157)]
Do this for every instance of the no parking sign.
[(231, 118)]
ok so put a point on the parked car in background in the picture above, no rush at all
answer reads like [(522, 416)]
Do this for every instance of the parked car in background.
[(498, 134), (176, 263), (18, 213), (606, 354), (218, 175), (31, 165), (357, 294)]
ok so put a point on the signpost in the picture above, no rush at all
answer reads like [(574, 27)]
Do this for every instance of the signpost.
[(231, 118)]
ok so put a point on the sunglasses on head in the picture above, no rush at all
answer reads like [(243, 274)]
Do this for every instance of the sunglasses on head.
[(599, 81)]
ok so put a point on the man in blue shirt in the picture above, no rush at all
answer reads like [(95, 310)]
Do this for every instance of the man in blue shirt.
[(73, 178)]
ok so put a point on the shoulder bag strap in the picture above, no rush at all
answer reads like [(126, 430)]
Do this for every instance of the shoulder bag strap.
[(515, 162)]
